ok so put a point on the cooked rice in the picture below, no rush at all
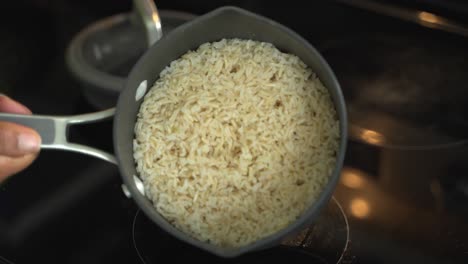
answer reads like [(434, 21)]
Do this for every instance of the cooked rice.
[(235, 140)]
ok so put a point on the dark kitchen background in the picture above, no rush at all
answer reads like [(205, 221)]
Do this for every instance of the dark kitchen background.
[(403, 193)]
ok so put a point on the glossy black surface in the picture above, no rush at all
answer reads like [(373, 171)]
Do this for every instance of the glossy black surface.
[(404, 193)]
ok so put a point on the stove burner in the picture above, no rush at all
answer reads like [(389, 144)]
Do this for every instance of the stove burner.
[(324, 242), (326, 236)]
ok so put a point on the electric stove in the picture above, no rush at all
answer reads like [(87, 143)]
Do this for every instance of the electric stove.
[(403, 192)]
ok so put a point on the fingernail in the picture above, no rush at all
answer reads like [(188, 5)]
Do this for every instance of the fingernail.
[(28, 143)]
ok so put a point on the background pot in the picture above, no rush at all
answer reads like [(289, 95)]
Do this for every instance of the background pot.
[(101, 55)]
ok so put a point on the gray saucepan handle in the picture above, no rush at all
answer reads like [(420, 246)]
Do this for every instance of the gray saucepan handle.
[(54, 134), (54, 129)]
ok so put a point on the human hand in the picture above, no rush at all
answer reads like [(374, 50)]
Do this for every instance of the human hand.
[(19, 145)]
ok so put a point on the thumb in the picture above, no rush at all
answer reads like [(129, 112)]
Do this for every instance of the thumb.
[(17, 140)]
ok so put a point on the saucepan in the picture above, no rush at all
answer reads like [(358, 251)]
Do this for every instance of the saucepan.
[(225, 22)]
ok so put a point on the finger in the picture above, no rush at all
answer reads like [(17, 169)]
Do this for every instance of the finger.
[(10, 166), (17, 140), (9, 105)]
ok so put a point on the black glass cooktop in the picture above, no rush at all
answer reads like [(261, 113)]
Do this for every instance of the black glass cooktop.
[(403, 194)]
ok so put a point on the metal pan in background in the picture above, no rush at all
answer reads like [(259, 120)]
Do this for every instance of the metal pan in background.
[(225, 22)]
